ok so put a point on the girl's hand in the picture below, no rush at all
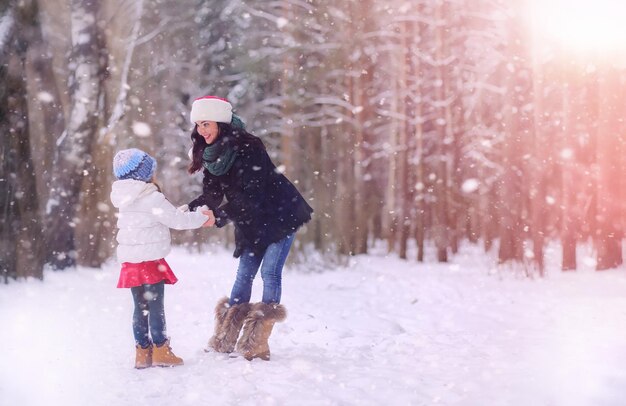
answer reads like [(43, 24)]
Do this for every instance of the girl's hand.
[(211, 221)]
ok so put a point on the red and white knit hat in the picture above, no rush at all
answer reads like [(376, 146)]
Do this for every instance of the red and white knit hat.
[(211, 108)]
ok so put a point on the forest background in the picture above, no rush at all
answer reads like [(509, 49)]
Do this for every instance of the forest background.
[(411, 122)]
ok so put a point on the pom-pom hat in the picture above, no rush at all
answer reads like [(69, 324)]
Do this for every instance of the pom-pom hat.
[(211, 108), (135, 164)]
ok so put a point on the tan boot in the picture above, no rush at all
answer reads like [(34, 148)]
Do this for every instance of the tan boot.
[(228, 323), (164, 357), (143, 357), (258, 328)]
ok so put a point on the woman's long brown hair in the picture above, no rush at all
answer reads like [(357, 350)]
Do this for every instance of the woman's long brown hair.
[(197, 150)]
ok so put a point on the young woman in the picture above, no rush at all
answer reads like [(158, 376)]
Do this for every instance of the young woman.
[(265, 209)]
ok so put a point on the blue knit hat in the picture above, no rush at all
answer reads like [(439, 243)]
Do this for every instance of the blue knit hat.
[(134, 164)]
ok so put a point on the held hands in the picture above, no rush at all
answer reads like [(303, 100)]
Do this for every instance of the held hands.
[(211, 221)]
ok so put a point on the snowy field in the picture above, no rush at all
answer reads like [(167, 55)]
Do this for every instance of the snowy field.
[(380, 332)]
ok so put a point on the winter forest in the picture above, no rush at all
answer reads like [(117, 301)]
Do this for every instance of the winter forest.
[(409, 121), (466, 149)]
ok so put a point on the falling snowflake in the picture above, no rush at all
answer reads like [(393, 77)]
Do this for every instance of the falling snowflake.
[(141, 129), (470, 185), (45, 97), (567, 153), (281, 22)]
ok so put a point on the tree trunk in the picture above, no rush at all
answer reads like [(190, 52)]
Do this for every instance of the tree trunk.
[(568, 222), (20, 228), (319, 222), (390, 214), (404, 138), (73, 154), (95, 234), (46, 109), (608, 240), (443, 126), (537, 167), (510, 197), (418, 156), (360, 193), (287, 136), (344, 203)]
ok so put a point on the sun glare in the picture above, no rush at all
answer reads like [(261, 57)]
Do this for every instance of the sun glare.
[(584, 26)]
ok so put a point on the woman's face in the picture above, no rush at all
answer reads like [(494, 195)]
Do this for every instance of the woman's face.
[(208, 130)]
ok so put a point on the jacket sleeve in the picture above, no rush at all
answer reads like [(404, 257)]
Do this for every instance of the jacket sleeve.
[(245, 208), (165, 213), (212, 194)]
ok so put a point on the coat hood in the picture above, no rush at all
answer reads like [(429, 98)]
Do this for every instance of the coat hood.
[(127, 191)]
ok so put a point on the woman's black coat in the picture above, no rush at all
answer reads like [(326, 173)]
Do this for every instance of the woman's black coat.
[(261, 202)]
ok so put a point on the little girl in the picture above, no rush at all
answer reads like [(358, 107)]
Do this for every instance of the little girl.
[(145, 217)]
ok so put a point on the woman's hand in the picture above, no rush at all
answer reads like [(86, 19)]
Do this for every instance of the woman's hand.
[(211, 221)]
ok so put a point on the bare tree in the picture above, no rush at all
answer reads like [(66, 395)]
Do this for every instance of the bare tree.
[(569, 227), (45, 103), (514, 126), (537, 164), (73, 148), (609, 229), (20, 227)]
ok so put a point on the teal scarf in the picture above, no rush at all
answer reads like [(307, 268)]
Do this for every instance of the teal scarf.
[(218, 158)]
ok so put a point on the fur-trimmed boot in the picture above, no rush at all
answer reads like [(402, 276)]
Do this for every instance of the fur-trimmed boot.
[(228, 322), (162, 356), (143, 357), (258, 328)]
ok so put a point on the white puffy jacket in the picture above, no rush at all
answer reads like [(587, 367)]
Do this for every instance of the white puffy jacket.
[(145, 219)]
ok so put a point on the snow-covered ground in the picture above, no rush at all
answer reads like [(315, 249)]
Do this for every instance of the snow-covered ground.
[(382, 331)]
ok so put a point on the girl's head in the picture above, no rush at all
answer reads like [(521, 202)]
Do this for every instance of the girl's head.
[(135, 164)]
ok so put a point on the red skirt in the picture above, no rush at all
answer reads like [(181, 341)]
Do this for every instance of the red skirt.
[(145, 273)]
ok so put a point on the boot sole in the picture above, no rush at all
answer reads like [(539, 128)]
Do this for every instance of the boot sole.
[(265, 356), (167, 365)]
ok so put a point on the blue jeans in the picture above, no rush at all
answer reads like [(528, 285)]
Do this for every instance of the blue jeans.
[(271, 272), (149, 315)]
